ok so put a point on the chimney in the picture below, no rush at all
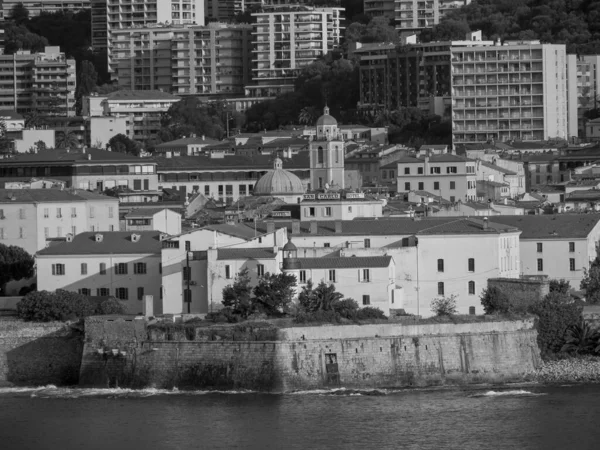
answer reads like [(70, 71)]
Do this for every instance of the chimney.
[(485, 223), (295, 227), (135, 237), (98, 237), (313, 227), (270, 226), (69, 237), (89, 157), (338, 227)]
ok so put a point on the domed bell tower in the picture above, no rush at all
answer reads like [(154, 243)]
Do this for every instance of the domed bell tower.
[(327, 155)]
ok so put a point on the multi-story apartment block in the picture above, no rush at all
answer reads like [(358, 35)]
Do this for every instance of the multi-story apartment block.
[(287, 39), (583, 90), (513, 91), (122, 14), (212, 59), (43, 82), (91, 169), (30, 217), (37, 7), (142, 110), (380, 8), (416, 15), (450, 176)]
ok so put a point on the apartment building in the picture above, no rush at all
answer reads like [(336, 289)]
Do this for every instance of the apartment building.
[(30, 217), (204, 60), (91, 169), (287, 39), (37, 7), (417, 15), (143, 110), (380, 8), (126, 265), (583, 90), (120, 14), (153, 219), (513, 91), (42, 82), (450, 176)]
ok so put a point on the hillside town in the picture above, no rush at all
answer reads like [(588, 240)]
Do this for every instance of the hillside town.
[(115, 193)]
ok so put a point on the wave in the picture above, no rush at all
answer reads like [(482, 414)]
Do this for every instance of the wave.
[(509, 393), (344, 392)]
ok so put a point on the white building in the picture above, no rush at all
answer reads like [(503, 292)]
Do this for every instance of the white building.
[(154, 219), (121, 264), (103, 129)]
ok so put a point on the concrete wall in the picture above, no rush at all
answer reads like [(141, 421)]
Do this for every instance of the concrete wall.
[(354, 357), (39, 353)]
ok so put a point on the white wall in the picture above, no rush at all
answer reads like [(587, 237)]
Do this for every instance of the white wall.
[(102, 129), (30, 137)]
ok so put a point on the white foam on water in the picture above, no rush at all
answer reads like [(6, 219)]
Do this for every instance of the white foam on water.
[(511, 393)]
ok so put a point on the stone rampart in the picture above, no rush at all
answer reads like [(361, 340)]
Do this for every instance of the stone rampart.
[(390, 355), (39, 353)]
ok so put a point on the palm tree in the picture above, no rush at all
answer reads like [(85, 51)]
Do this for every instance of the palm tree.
[(34, 120), (581, 339), (66, 139), (307, 115)]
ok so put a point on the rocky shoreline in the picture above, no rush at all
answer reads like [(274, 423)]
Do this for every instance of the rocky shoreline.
[(583, 369)]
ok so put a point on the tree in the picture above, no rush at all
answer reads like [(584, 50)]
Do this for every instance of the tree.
[(15, 264), (444, 306), (87, 77), (122, 144), (18, 37), (308, 115), (591, 281), (273, 293), (494, 301), (377, 30), (237, 296), (5, 143), (34, 119), (581, 339), (66, 139), (561, 286), (19, 14), (323, 298)]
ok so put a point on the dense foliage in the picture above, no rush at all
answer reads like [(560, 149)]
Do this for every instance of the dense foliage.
[(61, 305), (122, 144), (444, 306), (591, 282), (572, 22), (15, 264), (581, 339), (494, 301)]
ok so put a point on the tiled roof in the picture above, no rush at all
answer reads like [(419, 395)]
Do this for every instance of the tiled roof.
[(478, 206), (141, 95), (144, 212), (552, 226), (492, 183), (447, 157), (299, 161), (76, 156), (245, 253), (49, 195), (187, 141), (240, 230), (497, 168), (590, 194), (397, 226), (10, 115), (113, 242), (343, 262)]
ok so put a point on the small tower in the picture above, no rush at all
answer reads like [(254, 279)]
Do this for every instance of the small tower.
[(327, 154)]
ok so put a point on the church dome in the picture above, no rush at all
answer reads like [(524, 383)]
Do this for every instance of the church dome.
[(326, 119), (278, 182)]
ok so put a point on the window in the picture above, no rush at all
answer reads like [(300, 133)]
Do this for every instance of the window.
[(421, 185), (407, 186), (46, 213), (58, 231), (122, 293), (327, 211), (187, 296), (452, 198), (207, 190), (453, 185), (46, 232), (303, 276), (367, 243), (139, 268), (187, 273), (21, 233), (140, 293), (326, 245), (85, 291), (571, 247), (320, 155), (159, 267), (420, 170), (440, 265), (103, 292), (436, 185), (188, 246), (73, 212), (92, 212), (260, 270), (59, 212), (22, 214), (228, 272), (366, 300), (83, 268), (121, 269), (311, 212), (366, 275), (471, 288), (441, 288), (572, 264), (435, 170), (58, 269), (111, 212), (539, 247), (137, 185), (102, 268), (452, 169), (73, 230), (471, 264), (332, 275), (540, 265), (407, 171)]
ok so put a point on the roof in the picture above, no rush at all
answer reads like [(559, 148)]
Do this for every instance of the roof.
[(497, 168), (49, 195), (145, 212), (141, 95), (187, 141), (300, 161), (478, 206), (447, 157), (113, 242), (572, 226), (239, 230), (11, 115), (492, 183), (278, 182), (90, 156), (343, 262), (590, 194), (245, 253), (398, 226)]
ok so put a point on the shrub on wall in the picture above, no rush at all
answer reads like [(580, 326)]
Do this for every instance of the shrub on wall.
[(444, 306), (495, 301), (109, 306)]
